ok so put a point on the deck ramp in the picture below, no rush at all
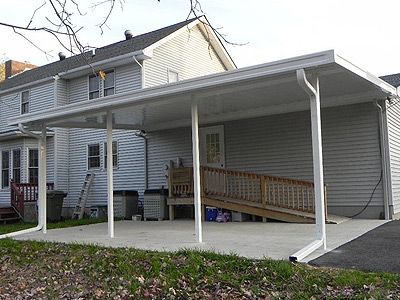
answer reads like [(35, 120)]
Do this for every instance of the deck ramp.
[(260, 195)]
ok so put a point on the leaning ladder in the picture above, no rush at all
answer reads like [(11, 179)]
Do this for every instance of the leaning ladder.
[(83, 197)]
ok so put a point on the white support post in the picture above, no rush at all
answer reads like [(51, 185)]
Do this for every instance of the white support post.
[(110, 180), (42, 179), (313, 91), (196, 172)]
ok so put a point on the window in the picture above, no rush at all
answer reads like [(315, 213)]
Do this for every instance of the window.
[(104, 82), (16, 165), (114, 153), (172, 76), (5, 169), (93, 156), (109, 83), (25, 97), (94, 91), (33, 166)]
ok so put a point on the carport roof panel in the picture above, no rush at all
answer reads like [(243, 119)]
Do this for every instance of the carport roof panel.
[(236, 93)]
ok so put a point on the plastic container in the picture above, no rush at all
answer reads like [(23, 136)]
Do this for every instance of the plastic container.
[(211, 213), (54, 203)]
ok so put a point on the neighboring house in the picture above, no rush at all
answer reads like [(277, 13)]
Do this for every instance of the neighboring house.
[(181, 51), (254, 120)]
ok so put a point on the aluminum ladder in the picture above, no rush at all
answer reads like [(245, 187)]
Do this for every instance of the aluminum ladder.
[(79, 210)]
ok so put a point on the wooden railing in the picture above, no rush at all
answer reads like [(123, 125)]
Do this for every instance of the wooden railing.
[(25, 192), (264, 190)]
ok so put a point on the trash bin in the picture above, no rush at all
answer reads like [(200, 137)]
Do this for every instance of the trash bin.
[(155, 204), (126, 204), (54, 204)]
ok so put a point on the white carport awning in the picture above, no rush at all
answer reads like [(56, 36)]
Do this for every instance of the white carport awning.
[(264, 89), (302, 83)]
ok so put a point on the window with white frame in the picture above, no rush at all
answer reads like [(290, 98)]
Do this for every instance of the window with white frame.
[(93, 156), (94, 87), (16, 165), (25, 99), (172, 76), (33, 166), (5, 169), (114, 154), (109, 84), (104, 82)]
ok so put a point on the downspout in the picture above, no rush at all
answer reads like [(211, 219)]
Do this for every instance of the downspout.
[(384, 160), (40, 218), (142, 134), (313, 93)]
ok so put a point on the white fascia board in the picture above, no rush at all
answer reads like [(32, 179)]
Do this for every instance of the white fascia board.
[(386, 87), (26, 85), (163, 93), (107, 63)]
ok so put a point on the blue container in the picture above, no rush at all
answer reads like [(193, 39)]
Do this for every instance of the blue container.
[(211, 213)]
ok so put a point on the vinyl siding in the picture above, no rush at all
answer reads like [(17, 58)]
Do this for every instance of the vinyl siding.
[(129, 174), (61, 167), (42, 97), (280, 145), (62, 92), (188, 54), (393, 120), (10, 106)]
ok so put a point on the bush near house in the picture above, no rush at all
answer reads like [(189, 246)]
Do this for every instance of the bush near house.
[(39, 270)]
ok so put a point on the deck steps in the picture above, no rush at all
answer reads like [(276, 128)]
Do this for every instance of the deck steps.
[(8, 215)]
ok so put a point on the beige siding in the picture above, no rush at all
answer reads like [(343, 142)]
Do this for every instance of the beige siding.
[(188, 54)]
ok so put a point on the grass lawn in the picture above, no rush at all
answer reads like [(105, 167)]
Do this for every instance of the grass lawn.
[(7, 228), (39, 270)]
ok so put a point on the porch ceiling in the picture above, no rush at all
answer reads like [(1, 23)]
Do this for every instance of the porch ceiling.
[(260, 90)]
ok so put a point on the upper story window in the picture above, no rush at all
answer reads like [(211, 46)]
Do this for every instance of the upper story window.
[(25, 99), (102, 84), (172, 76), (94, 87), (109, 83), (93, 156)]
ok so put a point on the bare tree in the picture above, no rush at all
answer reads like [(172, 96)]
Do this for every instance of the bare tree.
[(60, 22)]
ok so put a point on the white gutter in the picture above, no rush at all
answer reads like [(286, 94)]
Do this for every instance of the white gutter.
[(140, 53), (313, 93), (384, 161)]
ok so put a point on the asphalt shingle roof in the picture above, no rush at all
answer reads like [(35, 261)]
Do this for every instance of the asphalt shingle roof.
[(139, 42), (393, 79)]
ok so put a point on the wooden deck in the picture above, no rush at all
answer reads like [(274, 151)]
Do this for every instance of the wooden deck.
[(265, 196)]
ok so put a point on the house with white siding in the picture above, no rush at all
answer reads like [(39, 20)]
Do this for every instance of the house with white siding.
[(240, 139), (178, 52)]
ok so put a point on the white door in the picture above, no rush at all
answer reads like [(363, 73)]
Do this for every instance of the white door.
[(212, 147)]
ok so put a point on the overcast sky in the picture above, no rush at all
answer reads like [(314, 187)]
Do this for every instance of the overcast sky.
[(363, 32)]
